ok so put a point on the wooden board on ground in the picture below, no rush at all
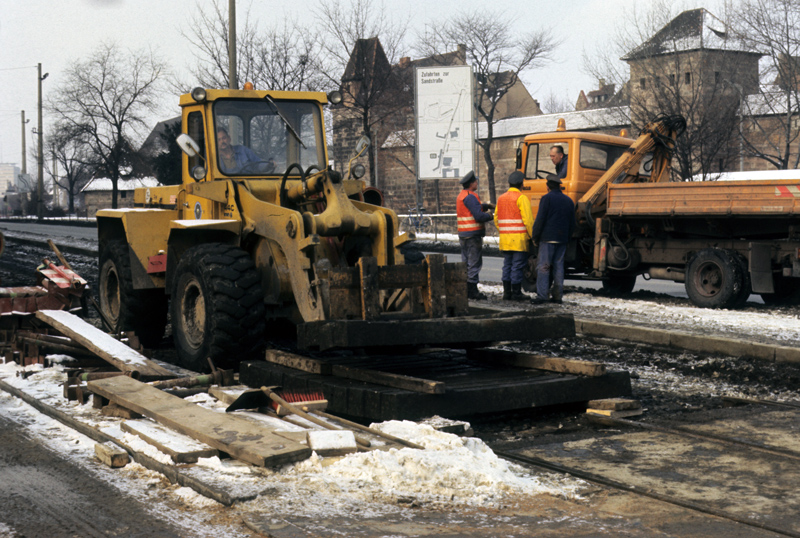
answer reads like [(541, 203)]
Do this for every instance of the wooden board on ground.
[(102, 344), (614, 404), (236, 436), (539, 362), (615, 414), (181, 448), (316, 366)]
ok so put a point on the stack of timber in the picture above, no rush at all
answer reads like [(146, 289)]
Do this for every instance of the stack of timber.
[(441, 382)]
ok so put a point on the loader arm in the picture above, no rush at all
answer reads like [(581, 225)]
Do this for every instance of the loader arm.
[(657, 138)]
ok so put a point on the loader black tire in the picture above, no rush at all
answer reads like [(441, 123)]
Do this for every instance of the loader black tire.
[(142, 311), (217, 307), (715, 278)]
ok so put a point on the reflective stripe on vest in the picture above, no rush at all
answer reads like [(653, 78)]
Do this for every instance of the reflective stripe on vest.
[(509, 218), (466, 222)]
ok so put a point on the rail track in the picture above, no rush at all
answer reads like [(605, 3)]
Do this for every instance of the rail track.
[(743, 497)]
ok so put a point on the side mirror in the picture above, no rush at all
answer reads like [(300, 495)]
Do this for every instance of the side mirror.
[(188, 145), (362, 144)]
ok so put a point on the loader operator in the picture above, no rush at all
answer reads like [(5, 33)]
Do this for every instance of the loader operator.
[(514, 221), (234, 159), (552, 229), (471, 215)]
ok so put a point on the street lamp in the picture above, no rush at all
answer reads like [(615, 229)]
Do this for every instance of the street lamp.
[(40, 182)]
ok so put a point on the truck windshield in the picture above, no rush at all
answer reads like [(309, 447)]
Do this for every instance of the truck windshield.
[(602, 156), (254, 140)]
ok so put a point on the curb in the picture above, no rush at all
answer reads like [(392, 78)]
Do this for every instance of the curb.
[(690, 342)]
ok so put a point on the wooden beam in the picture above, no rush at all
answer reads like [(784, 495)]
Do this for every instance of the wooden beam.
[(181, 448), (233, 435), (436, 294), (370, 295), (376, 377), (102, 344), (538, 362)]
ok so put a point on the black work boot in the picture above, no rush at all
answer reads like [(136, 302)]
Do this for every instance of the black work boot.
[(557, 296), (506, 290), (516, 293), (473, 293)]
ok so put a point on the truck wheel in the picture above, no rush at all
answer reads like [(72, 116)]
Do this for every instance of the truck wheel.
[(617, 285), (217, 307), (141, 311), (715, 278)]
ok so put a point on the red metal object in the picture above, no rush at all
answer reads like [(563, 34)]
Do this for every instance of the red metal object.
[(157, 263)]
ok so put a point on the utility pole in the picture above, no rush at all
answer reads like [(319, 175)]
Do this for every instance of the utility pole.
[(39, 134), (232, 83), (24, 155)]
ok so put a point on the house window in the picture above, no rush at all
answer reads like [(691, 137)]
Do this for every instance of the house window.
[(687, 78), (123, 194), (717, 77), (642, 84), (672, 79)]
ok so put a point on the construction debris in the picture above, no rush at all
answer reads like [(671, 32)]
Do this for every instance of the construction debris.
[(614, 408), (332, 443), (111, 455), (233, 435)]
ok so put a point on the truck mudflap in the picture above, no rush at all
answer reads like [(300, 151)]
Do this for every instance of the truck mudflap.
[(454, 332)]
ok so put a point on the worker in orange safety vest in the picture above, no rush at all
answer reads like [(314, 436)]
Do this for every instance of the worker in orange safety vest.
[(471, 215), (514, 221)]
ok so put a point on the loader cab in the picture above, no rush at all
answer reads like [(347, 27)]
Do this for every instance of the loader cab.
[(261, 137)]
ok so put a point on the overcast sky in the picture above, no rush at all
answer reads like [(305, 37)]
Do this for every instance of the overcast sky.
[(58, 32)]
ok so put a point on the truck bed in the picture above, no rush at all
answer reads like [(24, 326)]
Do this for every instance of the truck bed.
[(708, 198)]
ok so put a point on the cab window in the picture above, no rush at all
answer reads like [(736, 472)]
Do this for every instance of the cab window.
[(598, 156), (538, 164), (194, 128)]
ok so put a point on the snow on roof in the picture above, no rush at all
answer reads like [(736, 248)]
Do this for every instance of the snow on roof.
[(597, 118), (103, 184), (691, 30), (582, 120)]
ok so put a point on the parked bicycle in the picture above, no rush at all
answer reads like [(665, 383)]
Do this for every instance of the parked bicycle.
[(416, 221)]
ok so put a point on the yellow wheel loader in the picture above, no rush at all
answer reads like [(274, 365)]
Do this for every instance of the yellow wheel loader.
[(262, 229)]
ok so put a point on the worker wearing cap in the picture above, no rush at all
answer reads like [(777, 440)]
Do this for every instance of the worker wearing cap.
[(514, 221), (554, 224), (471, 215)]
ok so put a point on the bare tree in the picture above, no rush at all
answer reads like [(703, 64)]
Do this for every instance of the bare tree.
[(70, 151), (283, 57), (497, 54), (361, 45), (773, 28), (105, 100), (689, 65), (554, 104)]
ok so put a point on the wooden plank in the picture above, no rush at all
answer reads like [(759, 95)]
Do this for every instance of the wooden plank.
[(539, 362), (234, 435), (615, 404), (316, 366), (111, 455), (414, 384), (455, 332), (298, 362), (181, 448), (102, 344), (455, 276), (370, 296), (435, 293)]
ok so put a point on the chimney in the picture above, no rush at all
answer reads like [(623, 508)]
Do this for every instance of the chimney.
[(404, 62), (462, 53)]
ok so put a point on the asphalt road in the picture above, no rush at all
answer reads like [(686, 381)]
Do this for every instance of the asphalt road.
[(491, 272)]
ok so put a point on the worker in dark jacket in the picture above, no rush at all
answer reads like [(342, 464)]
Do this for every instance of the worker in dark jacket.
[(552, 229), (471, 215)]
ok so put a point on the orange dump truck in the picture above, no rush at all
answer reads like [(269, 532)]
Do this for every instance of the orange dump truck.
[(723, 239)]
